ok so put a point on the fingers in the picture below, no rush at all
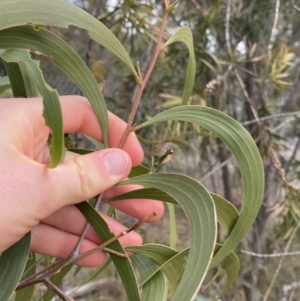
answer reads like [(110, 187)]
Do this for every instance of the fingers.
[(138, 208), (81, 178), (50, 240), (79, 117), (29, 132)]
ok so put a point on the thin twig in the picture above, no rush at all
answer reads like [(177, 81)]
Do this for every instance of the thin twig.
[(296, 7), (227, 27), (142, 83), (34, 280), (197, 6), (274, 30), (87, 227), (246, 95), (281, 262), (291, 159), (216, 169), (116, 237), (279, 115), (271, 255), (50, 285)]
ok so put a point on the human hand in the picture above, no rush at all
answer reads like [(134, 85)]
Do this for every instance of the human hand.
[(35, 198)]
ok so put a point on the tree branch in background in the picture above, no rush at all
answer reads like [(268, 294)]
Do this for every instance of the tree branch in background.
[(142, 82), (274, 30), (197, 6), (227, 27), (287, 247)]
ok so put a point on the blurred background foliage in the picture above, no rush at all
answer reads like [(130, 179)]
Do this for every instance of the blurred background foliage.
[(247, 56)]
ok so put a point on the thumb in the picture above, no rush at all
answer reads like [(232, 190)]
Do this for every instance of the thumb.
[(32, 192), (84, 177)]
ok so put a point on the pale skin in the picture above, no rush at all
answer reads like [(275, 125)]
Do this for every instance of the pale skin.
[(41, 200)]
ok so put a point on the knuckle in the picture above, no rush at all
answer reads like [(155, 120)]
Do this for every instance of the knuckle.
[(83, 173)]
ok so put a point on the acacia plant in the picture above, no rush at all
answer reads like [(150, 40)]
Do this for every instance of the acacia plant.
[(155, 267)]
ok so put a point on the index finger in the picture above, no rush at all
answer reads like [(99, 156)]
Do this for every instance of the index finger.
[(79, 116)]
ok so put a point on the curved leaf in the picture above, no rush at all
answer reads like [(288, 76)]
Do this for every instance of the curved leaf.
[(52, 110), (157, 287), (60, 14), (169, 261), (123, 265), (12, 264), (26, 293), (184, 35), (16, 79), (4, 81), (227, 214), (231, 266), (241, 144), (199, 208), (30, 85), (65, 57)]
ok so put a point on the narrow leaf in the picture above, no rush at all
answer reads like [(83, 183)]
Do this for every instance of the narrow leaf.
[(30, 85), (52, 110), (169, 261), (12, 265), (199, 208), (26, 293), (246, 153), (172, 222), (227, 214), (231, 266), (16, 79), (4, 81), (138, 171), (156, 288), (123, 265), (64, 56), (60, 14), (184, 35)]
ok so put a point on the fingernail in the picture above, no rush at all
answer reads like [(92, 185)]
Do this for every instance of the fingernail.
[(116, 162)]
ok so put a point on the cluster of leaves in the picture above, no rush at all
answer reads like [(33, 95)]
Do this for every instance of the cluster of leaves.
[(22, 32)]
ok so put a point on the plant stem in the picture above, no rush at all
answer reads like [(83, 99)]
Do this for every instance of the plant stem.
[(56, 289), (40, 277), (87, 227), (142, 82)]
